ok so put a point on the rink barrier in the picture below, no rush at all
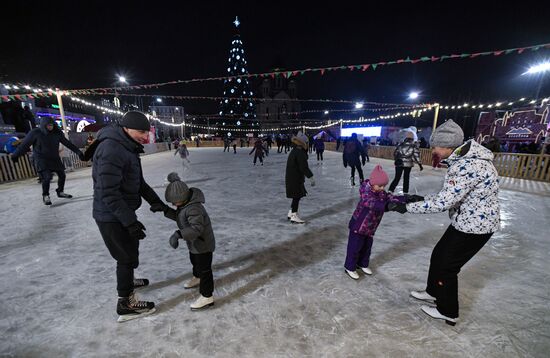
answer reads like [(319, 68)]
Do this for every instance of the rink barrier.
[(513, 165), (24, 168)]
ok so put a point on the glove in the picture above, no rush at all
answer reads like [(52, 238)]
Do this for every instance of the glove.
[(413, 198), (156, 207), (312, 181), (420, 166), (81, 156), (400, 208), (174, 239), (14, 158), (136, 230)]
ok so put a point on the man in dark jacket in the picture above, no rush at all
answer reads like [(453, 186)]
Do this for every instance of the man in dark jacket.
[(118, 189), (405, 155), (353, 149), (297, 170), (45, 143)]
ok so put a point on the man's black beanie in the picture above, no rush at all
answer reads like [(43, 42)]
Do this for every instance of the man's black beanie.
[(135, 120)]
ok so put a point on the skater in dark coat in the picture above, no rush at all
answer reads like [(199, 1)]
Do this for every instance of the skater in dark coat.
[(319, 148), (297, 170), (353, 156), (259, 149), (45, 142), (118, 189), (406, 154)]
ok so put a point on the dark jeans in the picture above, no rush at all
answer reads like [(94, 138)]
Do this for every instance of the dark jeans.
[(202, 268), (319, 155), (359, 171), (398, 172), (358, 254), (294, 205), (125, 250), (452, 252), (46, 176), (256, 156)]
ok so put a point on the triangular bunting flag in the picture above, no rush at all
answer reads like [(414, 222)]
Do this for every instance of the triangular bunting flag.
[(374, 66), (365, 67), (434, 58), (498, 53), (520, 50), (398, 61), (424, 59), (322, 71), (474, 55), (408, 59)]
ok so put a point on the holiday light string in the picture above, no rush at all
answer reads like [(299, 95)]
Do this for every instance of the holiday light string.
[(322, 70)]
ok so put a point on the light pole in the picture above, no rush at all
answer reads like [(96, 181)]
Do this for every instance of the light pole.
[(413, 96)]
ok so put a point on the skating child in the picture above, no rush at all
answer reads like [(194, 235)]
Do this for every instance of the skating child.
[(184, 155), (259, 149), (195, 228), (366, 218)]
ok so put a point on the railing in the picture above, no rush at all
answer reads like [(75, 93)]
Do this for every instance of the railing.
[(521, 166)]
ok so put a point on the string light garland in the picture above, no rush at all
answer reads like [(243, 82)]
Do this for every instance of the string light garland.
[(323, 70)]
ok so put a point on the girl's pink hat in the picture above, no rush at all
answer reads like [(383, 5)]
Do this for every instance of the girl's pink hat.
[(378, 176)]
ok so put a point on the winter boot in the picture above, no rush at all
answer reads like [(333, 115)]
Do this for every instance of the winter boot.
[(61, 194), (194, 282), (295, 219), (434, 313), (140, 282), (352, 274), (130, 308), (366, 270), (289, 214), (202, 302), (423, 296), (352, 179), (46, 200)]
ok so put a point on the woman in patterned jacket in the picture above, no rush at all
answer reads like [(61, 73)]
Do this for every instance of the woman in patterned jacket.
[(470, 193)]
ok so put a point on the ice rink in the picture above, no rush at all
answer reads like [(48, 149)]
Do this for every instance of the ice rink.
[(280, 289)]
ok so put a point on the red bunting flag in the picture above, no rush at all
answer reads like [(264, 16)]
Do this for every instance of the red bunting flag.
[(365, 67)]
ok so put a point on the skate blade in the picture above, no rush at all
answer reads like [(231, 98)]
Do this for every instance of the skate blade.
[(296, 222), (203, 307), (129, 317)]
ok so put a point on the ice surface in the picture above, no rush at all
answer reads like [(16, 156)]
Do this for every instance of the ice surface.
[(280, 289)]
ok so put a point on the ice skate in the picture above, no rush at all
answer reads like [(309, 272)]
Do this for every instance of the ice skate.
[(434, 313), (46, 200), (130, 308), (423, 296), (365, 270), (352, 180), (194, 282), (202, 302), (352, 274), (61, 194), (295, 219), (140, 282), (289, 214)]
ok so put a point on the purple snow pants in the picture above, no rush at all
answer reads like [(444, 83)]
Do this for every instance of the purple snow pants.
[(359, 247)]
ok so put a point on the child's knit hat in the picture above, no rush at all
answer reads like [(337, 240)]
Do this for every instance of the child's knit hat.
[(177, 191), (378, 176)]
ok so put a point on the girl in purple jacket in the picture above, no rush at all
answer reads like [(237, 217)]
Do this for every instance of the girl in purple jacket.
[(366, 218)]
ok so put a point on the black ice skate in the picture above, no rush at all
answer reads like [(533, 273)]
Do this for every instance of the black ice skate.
[(352, 179), (130, 308), (46, 200), (61, 194), (140, 282)]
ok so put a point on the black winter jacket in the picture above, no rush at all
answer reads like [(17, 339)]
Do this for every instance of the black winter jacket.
[(296, 171), (45, 146), (118, 179)]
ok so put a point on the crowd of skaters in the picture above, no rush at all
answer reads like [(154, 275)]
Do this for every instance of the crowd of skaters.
[(119, 187)]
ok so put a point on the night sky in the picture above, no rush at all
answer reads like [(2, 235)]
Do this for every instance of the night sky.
[(82, 46)]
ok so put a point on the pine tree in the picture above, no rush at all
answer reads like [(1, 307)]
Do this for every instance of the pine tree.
[(236, 109)]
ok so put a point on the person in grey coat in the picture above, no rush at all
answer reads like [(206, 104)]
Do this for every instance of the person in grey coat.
[(45, 143), (406, 154), (196, 229)]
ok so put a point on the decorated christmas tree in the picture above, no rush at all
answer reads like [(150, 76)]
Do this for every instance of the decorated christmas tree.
[(236, 109)]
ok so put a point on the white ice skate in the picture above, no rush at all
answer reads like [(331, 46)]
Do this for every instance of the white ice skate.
[(202, 302), (353, 274), (434, 313), (423, 296), (366, 270), (289, 214), (194, 282), (295, 219)]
